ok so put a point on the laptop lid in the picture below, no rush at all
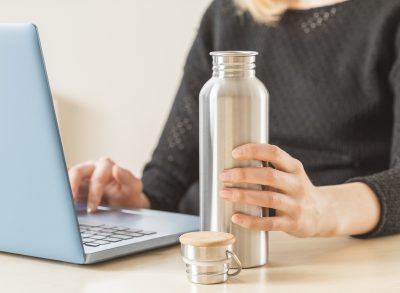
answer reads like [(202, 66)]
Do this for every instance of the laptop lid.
[(37, 216)]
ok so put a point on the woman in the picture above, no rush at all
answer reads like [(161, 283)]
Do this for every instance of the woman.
[(333, 72)]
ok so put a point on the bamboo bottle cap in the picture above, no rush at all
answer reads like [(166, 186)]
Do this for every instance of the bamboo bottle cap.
[(207, 239)]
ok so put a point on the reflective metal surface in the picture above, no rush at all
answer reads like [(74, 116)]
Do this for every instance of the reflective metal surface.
[(233, 111), (209, 265)]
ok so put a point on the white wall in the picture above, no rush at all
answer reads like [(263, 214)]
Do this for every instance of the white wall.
[(114, 67)]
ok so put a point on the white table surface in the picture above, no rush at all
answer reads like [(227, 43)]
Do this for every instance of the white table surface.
[(296, 265)]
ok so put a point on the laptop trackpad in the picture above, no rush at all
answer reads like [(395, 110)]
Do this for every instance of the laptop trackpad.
[(109, 216), (140, 219)]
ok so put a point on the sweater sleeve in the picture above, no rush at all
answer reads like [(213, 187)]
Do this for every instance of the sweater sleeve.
[(174, 163), (386, 184)]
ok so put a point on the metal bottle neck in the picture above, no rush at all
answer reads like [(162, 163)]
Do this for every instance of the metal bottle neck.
[(234, 64)]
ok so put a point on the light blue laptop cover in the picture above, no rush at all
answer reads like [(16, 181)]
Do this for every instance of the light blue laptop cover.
[(37, 215)]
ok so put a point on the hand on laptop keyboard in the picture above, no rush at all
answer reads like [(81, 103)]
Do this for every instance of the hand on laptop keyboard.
[(104, 181)]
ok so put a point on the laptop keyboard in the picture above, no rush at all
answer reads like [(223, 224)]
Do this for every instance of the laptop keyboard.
[(95, 235)]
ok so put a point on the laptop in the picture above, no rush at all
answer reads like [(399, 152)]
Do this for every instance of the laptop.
[(38, 217)]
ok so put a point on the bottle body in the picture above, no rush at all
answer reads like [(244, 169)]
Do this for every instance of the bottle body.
[(233, 112)]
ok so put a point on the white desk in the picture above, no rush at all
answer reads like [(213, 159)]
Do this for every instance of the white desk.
[(337, 265)]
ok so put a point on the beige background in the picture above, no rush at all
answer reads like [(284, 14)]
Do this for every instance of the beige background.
[(114, 67)]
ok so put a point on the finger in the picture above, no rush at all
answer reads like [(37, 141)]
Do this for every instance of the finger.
[(121, 175), (77, 174), (285, 182), (284, 224), (83, 191), (126, 179), (100, 178), (268, 153), (267, 199)]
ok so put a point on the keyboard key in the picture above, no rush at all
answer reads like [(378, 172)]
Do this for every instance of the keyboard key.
[(137, 235), (123, 237), (97, 237), (90, 232), (91, 225), (96, 229), (134, 230), (120, 228), (113, 239), (92, 244), (100, 242), (109, 226), (87, 240), (124, 232), (133, 234), (105, 234), (147, 232), (108, 230)]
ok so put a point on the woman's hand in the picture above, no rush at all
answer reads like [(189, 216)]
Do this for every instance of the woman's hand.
[(301, 209), (104, 181)]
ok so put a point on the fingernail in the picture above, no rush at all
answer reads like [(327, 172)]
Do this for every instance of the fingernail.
[(89, 210), (236, 219), (237, 152), (226, 193), (226, 176)]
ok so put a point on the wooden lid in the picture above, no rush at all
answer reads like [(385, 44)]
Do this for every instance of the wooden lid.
[(207, 239)]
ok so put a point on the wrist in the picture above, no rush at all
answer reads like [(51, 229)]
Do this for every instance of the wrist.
[(329, 220), (349, 209), (136, 201), (145, 202)]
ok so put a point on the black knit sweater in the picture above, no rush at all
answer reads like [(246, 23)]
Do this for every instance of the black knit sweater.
[(333, 74)]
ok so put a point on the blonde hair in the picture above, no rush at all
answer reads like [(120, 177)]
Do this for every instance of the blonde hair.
[(264, 11)]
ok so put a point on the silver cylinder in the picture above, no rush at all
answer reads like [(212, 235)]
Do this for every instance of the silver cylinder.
[(209, 265), (209, 257), (233, 111)]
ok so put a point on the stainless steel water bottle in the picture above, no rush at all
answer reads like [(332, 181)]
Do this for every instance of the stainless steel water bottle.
[(233, 111)]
